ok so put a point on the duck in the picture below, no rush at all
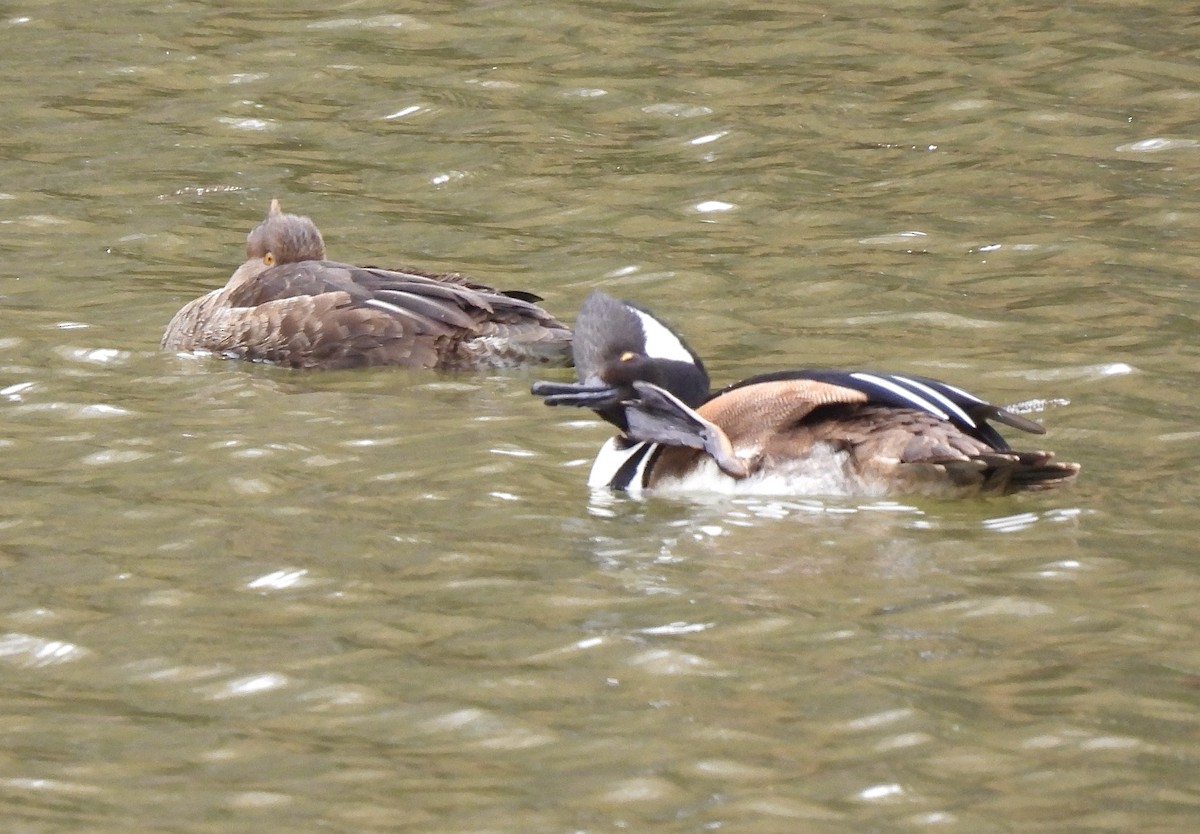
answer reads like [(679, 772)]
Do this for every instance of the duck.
[(288, 305), (808, 432)]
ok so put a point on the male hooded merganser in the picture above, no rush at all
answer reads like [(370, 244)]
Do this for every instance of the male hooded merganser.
[(805, 432), (288, 305)]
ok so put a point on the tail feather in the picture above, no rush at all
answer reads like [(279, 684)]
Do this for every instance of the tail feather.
[(1010, 472)]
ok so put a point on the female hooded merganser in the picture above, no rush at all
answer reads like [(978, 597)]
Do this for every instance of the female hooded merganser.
[(288, 305), (805, 432)]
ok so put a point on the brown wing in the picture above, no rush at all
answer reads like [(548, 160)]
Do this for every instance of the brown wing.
[(754, 419), (753, 414), (912, 451), (460, 280), (895, 449), (334, 315), (457, 302), (360, 285), (499, 329)]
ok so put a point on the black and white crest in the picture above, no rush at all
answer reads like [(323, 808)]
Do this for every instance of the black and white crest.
[(608, 329)]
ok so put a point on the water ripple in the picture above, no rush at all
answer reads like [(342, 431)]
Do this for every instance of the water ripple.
[(31, 652)]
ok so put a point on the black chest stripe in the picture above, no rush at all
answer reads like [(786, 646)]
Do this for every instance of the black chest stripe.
[(629, 469)]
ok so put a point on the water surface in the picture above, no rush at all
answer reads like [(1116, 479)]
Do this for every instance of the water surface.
[(238, 598)]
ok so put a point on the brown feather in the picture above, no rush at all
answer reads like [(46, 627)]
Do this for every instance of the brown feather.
[(288, 305), (883, 449), (750, 416)]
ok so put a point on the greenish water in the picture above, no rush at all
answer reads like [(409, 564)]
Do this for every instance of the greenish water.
[(237, 598)]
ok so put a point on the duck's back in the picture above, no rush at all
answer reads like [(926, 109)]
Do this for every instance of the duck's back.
[(287, 304), (333, 315), (859, 449)]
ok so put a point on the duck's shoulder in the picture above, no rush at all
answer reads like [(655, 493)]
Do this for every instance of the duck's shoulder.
[(312, 277), (768, 400)]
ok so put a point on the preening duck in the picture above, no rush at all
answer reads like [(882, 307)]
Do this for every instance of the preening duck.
[(288, 305), (801, 432)]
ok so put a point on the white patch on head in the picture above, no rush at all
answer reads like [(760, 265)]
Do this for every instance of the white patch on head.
[(661, 343)]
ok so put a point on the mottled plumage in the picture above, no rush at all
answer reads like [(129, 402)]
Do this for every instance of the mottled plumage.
[(802, 432), (290, 306)]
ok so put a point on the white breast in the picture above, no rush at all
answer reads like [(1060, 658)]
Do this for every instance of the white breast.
[(612, 457)]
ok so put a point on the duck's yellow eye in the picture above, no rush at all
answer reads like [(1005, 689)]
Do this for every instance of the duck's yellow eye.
[(269, 259), (628, 356)]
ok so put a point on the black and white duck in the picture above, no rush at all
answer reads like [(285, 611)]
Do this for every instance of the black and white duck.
[(799, 432)]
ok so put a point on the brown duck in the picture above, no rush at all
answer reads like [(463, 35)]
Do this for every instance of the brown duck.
[(802, 432), (288, 305)]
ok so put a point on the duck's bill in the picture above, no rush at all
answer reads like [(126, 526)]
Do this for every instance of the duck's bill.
[(578, 394)]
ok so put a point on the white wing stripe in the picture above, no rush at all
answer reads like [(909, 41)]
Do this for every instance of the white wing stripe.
[(384, 305), (396, 310), (963, 393), (900, 391), (940, 397)]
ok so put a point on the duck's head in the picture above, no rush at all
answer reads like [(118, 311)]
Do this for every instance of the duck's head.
[(284, 238), (638, 374), (281, 238), (618, 344)]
